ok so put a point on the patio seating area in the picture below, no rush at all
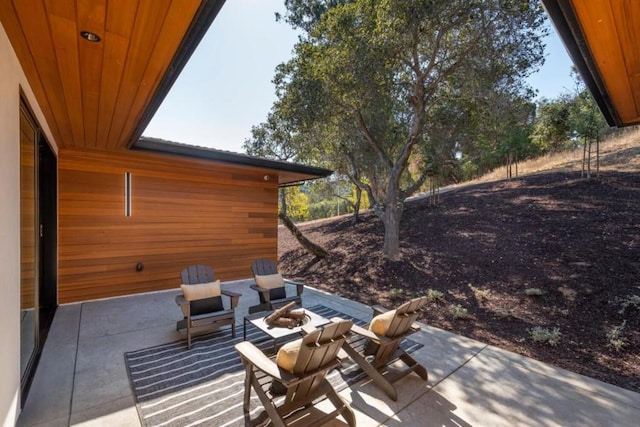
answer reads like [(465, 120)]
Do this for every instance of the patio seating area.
[(82, 378)]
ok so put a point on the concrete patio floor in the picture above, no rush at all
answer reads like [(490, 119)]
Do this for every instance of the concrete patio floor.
[(82, 379)]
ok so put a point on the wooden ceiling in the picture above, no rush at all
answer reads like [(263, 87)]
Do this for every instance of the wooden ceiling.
[(603, 38), (102, 95)]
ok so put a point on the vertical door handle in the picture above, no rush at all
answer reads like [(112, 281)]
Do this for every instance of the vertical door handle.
[(41, 230)]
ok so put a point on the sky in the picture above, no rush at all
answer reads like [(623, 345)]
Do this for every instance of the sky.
[(226, 87)]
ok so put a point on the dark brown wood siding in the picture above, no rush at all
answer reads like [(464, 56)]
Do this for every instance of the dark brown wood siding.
[(183, 212)]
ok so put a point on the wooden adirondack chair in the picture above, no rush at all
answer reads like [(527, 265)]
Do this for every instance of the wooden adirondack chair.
[(209, 311), (303, 381), (375, 353), (270, 287)]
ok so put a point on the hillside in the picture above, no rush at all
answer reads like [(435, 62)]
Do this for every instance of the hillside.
[(576, 241)]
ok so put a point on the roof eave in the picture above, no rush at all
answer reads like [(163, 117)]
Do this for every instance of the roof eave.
[(168, 147), (202, 20), (568, 27)]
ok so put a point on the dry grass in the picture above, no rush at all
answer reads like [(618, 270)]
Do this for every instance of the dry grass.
[(619, 152)]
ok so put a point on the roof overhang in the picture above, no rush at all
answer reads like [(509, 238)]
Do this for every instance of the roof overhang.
[(288, 173), (603, 40), (102, 94)]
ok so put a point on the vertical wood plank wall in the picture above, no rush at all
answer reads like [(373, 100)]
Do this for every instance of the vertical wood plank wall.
[(184, 211)]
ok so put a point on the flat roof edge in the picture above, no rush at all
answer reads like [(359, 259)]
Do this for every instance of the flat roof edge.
[(168, 147)]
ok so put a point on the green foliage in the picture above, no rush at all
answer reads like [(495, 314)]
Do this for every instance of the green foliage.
[(297, 204), (396, 293), (552, 128), (615, 338), (545, 335), (376, 85), (480, 294), (459, 312), (433, 295), (534, 292), (587, 121), (628, 301)]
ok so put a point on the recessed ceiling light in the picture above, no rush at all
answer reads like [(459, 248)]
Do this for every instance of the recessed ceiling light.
[(92, 37)]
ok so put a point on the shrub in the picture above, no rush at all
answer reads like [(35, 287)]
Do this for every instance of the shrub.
[(628, 301), (395, 293), (534, 292), (459, 312), (545, 335), (616, 340), (480, 294), (434, 295)]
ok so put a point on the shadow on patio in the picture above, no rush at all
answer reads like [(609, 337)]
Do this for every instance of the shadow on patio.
[(82, 378)]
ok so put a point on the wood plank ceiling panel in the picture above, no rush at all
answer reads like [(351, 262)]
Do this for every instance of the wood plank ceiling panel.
[(12, 27), (601, 30), (627, 18), (93, 95), (91, 17), (176, 22), (34, 24), (144, 35), (64, 34), (121, 15)]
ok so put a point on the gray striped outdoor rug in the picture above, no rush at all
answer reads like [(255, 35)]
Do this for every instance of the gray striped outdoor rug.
[(174, 386)]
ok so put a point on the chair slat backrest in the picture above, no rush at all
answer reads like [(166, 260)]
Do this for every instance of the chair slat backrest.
[(263, 267), (321, 346), (406, 314), (196, 274), (266, 267), (319, 349)]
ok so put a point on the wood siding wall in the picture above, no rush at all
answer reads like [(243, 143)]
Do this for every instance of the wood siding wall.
[(183, 212)]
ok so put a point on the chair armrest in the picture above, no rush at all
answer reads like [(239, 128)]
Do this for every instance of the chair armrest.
[(368, 334), (307, 329), (255, 357), (264, 291), (181, 300), (235, 297), (378, 309), (299, 286), (185, 305)]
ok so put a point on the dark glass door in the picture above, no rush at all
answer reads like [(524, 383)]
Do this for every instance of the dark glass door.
[(38, 244)]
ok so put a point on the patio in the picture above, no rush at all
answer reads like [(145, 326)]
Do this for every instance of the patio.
[(82, 379)]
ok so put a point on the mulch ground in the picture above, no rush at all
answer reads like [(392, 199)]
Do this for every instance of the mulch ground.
[(483, 246)]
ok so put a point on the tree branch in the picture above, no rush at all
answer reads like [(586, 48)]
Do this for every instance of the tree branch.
[(372, 140)]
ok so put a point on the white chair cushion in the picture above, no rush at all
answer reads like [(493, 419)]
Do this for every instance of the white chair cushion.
[(288, 354), (270, 281), (201, 290), (380, 324)]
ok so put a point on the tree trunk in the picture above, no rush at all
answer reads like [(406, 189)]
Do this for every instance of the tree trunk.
[(598, 156), (589, 161), (584, 156), (311, 247), (391, 221), (356, 207)]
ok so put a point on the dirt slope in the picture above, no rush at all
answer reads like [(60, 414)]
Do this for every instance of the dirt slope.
[(576, 240)]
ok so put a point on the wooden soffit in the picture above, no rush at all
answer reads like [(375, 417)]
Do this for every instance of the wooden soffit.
[(603, 39), (103, 94)]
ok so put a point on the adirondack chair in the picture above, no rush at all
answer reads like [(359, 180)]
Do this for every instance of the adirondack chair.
[(270, 286), (300, 370), (379, 346), (201, 302)]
